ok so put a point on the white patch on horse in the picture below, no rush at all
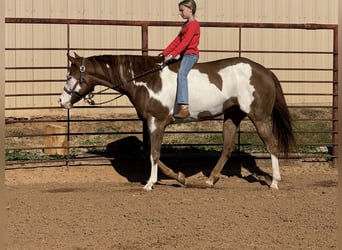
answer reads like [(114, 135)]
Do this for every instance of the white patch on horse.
[(130, 71), (236, 83), (65, 97), (72, 81), (121, 72), (152, 125), (203, 94), (166, 96), (154, 175), (275, 172), (107, 65)]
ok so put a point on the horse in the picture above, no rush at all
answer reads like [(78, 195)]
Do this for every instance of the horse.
[(234, 88)]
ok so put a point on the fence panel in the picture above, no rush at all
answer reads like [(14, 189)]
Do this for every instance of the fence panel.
[(36, 68)]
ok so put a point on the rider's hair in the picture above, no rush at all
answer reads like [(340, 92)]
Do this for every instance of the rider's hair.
[(191, 4)]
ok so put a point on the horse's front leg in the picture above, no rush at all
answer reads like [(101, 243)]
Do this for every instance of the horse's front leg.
[(156, 132), (155, 162), (154, 173)]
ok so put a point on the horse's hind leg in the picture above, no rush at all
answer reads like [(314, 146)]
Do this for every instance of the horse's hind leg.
[(267, 137), (230, 126), (180, 177)]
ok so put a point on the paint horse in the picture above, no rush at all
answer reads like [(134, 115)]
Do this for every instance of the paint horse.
[(233, 87)]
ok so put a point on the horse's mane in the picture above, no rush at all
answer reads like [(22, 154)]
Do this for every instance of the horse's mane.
[(127, 67), (136, 61)]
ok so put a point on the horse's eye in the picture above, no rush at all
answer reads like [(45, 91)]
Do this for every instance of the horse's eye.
[(69, 77)]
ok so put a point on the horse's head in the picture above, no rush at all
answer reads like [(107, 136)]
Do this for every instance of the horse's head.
[(78, 84)]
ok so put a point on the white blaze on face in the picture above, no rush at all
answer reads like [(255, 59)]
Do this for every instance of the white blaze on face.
[(204, 95), (65, 97)]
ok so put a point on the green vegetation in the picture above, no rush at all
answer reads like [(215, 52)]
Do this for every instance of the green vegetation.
[(16, 132), (22, 155), (313, 131)]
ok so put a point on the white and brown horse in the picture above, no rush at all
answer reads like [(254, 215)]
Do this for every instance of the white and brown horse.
[(234, 87)]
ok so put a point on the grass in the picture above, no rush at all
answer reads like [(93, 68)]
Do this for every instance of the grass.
[(16, 133), (23, 155)]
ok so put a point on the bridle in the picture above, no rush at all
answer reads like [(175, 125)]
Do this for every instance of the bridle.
[(88, 98), (79, 82)]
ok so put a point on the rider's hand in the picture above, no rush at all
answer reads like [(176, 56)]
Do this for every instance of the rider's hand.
[(168, 58)]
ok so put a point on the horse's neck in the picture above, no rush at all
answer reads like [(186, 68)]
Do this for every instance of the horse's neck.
[(118, 72), (109, 74)]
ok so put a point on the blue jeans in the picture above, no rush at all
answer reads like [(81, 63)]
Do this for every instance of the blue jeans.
[(186, 65)]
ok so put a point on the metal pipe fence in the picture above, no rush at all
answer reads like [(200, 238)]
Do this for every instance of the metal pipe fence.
[(84, 144)]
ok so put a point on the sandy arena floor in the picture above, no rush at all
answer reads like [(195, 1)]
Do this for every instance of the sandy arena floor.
[(95, 207)]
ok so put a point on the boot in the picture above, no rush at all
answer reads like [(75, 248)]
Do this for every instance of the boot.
[(183, 112)]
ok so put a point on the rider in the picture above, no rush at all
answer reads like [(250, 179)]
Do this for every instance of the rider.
[(186, 45)]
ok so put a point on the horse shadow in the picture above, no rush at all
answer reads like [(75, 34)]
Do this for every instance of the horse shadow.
[(130, 161)]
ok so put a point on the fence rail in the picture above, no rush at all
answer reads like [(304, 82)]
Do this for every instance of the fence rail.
[(17, 138)]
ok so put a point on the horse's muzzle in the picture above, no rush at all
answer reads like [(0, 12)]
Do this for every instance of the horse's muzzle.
[(67, 105)]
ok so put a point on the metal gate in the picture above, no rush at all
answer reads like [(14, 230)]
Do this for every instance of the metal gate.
[(67, 138)]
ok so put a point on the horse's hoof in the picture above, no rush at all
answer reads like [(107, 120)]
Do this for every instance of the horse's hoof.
[(210, 183), (148, 187), (181, 178), (274, 186)]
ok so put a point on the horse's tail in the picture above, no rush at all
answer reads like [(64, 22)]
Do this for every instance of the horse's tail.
[(282, 122)]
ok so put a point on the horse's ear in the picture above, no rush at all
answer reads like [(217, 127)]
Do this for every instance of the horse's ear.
[(71, 59), (76, 56)]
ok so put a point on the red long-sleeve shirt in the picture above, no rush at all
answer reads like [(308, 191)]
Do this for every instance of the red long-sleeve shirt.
[(186, 42)]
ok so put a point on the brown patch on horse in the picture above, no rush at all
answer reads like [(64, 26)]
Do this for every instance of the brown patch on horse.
[(204, 68), (158, 110), (204, 115), (212, 71), (263, 85), (174, 65), (233, 101), (142, 64)]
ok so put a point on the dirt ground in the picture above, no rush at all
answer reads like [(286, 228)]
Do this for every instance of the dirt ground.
[(105, 207)]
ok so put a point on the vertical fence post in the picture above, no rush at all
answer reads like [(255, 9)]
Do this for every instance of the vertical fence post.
[(144, 39), (335, 100), (68, 111), (239, 128), (4, 220), (240, 37)]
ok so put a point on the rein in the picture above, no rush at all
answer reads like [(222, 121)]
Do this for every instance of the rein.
[(89, 97)]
